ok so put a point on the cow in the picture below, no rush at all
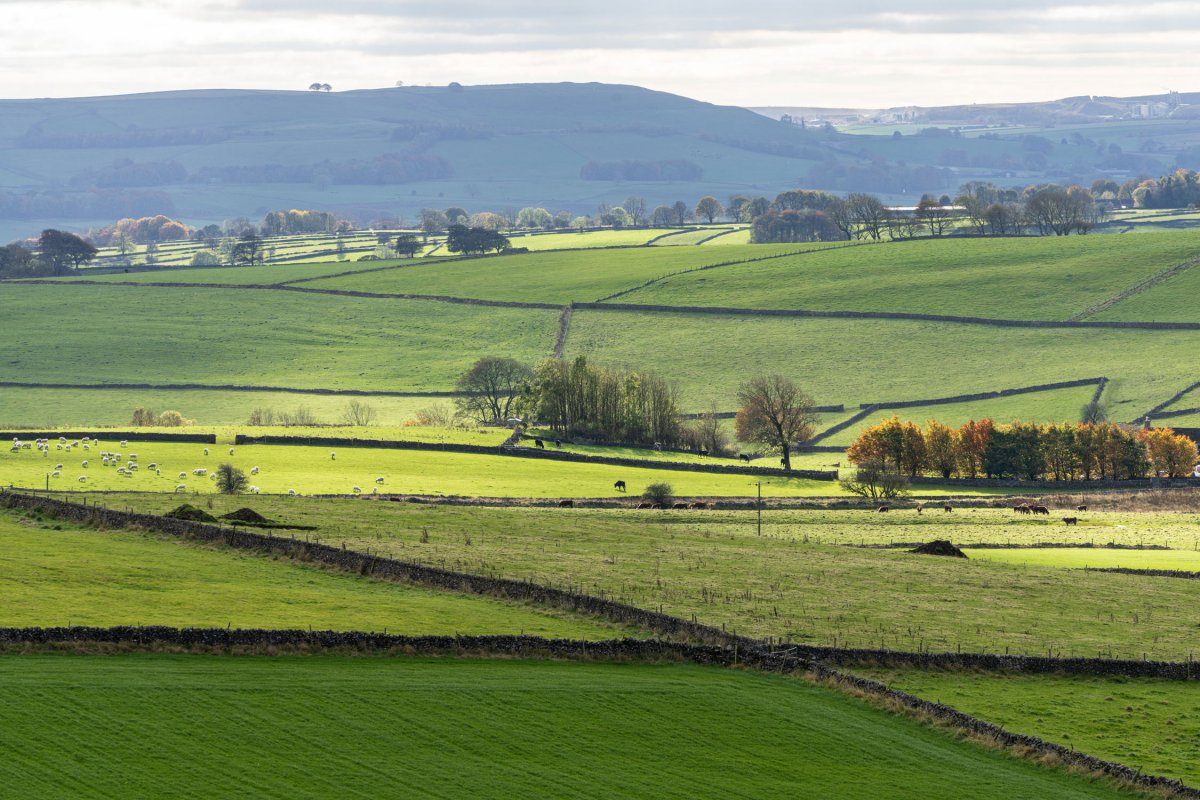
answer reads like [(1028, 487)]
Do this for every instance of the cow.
[(538, 443), (1081, 508), (744, 457), (1023, 509), (645, 505), (566, 503), (1070, 520), (619, 486), (699, 505), (883, 509), (947, 508), (920, 507), (1041, 510), (703, 452), (558, 443), (679, 506)]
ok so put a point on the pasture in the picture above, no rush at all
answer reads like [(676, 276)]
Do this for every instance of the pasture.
[(1153, 725), (1043, 278), (55, 574), (712, 566), (445, 727)]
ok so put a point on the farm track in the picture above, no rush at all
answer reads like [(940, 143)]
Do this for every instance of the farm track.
[(1136, 289)]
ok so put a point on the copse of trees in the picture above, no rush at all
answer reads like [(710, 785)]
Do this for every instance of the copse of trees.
[(474, 241), (578, 398), (278, 223), (141, 230), (1024, 450)]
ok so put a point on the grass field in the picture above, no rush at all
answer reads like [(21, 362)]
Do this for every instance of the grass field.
[(324, 726), (692, 237), (551, 277), (263, 274), (773, 585), (1062, 405), (56, 574), (1173, 300), (62, 408), (1026, 278), (1153, 725), (124, 334), (310, 470), (857, 361), (1078, 558)]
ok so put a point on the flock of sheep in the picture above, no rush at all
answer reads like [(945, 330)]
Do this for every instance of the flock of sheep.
[(127, 465)]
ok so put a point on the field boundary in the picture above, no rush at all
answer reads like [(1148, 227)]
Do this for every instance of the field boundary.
[(564, 328), (969, 398), (1150, 573), (884, 315), (760, 659), (224, 387), (133, 436), (534, 453), (1139, 287), (865, 412), (1175, 398)]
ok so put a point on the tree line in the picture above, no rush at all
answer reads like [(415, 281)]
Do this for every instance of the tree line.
[(1023, 450)]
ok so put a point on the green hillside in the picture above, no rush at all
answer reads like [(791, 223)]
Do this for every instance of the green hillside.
[(357, 727)]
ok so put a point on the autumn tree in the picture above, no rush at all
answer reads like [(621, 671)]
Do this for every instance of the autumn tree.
[(941, 448), (709, 208), (973, 440), (774, 412), (1170, 453)]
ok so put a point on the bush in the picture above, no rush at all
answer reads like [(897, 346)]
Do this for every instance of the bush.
[(660, 494), (873, 479), (205, 258), (231, 480), (149, 418)]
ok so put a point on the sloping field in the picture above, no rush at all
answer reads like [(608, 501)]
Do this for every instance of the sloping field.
[(1174, 300), (262, 274), (1153, 724), (324, 726), (1057, 405), (629, 237), (154, 335), (550, 277), (77, 576), (1047, 278), (779, 585), (864, 361)]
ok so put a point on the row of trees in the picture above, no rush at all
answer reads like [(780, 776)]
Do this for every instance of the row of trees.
[(55, 252), (1023, 450)]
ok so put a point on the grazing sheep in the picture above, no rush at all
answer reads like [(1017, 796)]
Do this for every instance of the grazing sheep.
[(356, 489), (182, 475), (181, 487), (55, 474), (60, 447), (1081, 508), (291, 492), (120, 470), (566, 503), (201, 471), (104, 461), (379, 479), (205, 449), (82, 478), (253, 490), (85, 465), (333, 456), (124, 443), (374, 490), (1070, 520), (254, 470), (132, 456), (58, 466), (212, 477), (85, 447), (152, 466), (619, 486), (883, 509)]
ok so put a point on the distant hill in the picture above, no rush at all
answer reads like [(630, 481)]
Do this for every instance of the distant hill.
[(206, 156)]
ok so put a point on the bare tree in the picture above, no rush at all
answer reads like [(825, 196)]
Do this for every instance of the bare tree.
[(775, 412), (359, 414), (491, 386)]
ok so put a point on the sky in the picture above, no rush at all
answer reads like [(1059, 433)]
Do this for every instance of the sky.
[(847, 53)]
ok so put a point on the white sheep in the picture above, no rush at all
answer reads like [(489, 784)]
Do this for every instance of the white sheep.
[(231, 451), (379, 479), (85, 447), (85, 465), (291, 492), (120, 470), (60, 447), (152, 466), (82, 478), (212, 477), (333, 456), (182, 475), (58, 466), (133, 456), (253, 490), (181, 487), (357, 490), (124, 443), (206, 451), (374, 490), (201, 471), (254, 470), (55, 474)]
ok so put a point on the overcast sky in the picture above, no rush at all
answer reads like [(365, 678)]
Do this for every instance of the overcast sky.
[(864, 53)]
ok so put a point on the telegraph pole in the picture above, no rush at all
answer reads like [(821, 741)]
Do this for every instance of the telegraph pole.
[(760, 508)]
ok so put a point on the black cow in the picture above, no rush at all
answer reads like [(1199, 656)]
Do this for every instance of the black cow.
[(619, 486)]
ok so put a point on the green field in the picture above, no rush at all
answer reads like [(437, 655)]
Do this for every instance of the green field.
[(860, 361), (1062, 405), (1079, 558), (1153, 725), (324, 726), (1049, 278), (1173, 300), (263, 274), (693, 237), (120, 334), (58, 574), (713, 566), (549, 277)]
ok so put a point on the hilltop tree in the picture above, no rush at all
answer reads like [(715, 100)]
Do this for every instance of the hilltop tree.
[(62, 250), (709, 208), (774, 412), (490, 388)]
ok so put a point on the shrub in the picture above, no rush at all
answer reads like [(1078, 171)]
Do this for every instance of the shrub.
[(660, 494), (231, 480), (874, 480), (205, 258)]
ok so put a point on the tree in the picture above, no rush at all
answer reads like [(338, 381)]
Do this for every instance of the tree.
[(248, 250), (407, 245), (709, 208), (490, 388), (474, 241), (776, 413), (231, 480), (62, 250), (433, 221), (868, 213), (662, 217), (535, 218), (325, 87), (874, 480), (1171, 454), (941, 447), (457, 216), (660, 494), (315, 87), (680, 213), (934, 215), (359, 414), (636, 208), (15, 261)]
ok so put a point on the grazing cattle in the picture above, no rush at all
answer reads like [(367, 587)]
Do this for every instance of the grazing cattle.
[(1040, 510), (539, 444), (883, 509), (645, 505), (1070, 520), (558, 442), (947, 508), (1081, 508), (1023, 509), (703, 452), (920, 507), (679, 506), (619, 486), (699, 505), (744, 457), (566, 503)]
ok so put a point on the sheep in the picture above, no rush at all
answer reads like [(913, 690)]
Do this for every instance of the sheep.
[(201, 471), (379, 479), (333, 456), (181, 487), (182, 475), (212, 477), (104, 461), (85, 465), (133, 456), (253, 490), (356, 489), (58, 466), (82, 478), (55, 474), (59, 447), (619, 486), (205, 449), (291, 492), (254, 470), (231, 451), (374, 490), (85, 447), (158, 472), (153, 466), (120, 470), (124, 443)]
